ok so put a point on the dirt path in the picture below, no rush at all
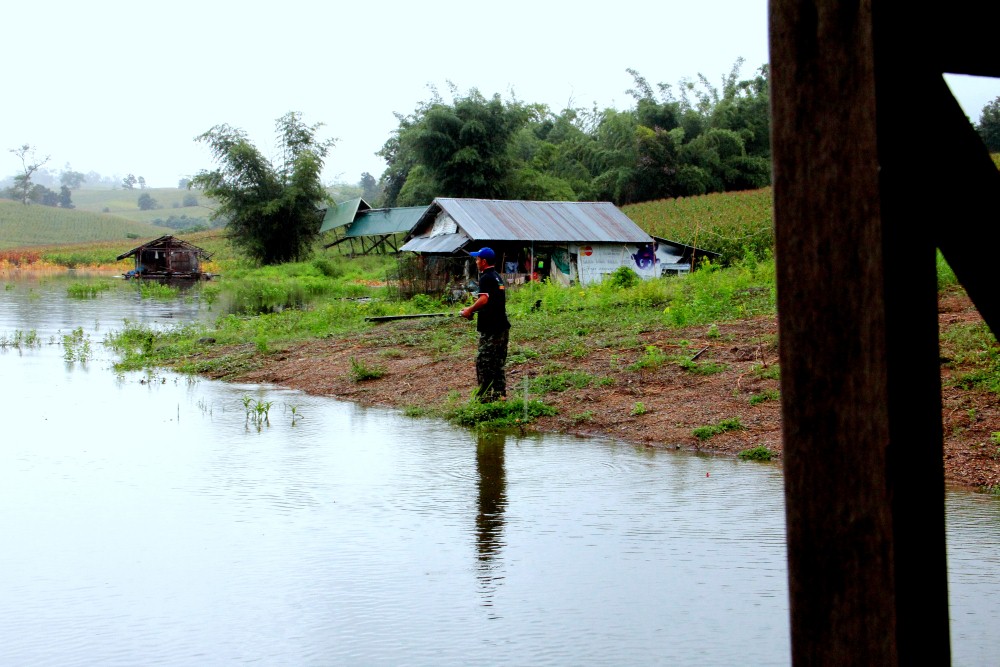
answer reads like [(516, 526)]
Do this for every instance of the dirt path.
[(658, 407)]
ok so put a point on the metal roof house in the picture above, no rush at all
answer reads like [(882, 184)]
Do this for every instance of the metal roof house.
[(167, 257), (566, 242), (373, 228)]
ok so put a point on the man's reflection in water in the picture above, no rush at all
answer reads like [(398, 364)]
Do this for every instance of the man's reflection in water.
[(492, 503)]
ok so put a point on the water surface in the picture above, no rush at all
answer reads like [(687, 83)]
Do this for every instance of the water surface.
[(146, 520)]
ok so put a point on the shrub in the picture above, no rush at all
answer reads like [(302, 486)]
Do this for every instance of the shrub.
[(731, 424), (360, 371), (758, 453), (623, 278)]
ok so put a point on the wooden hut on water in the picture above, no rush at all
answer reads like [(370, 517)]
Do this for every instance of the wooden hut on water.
[(167, 257)]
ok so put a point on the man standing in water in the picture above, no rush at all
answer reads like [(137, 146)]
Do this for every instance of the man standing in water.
[(493, 328)]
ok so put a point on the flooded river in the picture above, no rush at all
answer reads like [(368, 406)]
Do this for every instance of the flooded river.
[(146, 520)]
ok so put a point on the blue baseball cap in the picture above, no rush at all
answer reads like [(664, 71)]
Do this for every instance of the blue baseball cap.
[(485, 253)]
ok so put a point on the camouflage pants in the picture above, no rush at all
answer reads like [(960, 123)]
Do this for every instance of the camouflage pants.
[(490, 360)]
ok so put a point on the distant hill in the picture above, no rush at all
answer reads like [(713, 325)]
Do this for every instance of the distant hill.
[(34, 224)]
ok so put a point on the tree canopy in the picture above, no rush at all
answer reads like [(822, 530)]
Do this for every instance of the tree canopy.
[(703, 139), (989, 126), (271, 210)]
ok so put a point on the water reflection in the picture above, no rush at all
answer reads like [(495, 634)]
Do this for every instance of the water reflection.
[(490, 511)]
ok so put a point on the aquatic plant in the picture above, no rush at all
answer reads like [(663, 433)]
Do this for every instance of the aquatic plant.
[(76, 346)]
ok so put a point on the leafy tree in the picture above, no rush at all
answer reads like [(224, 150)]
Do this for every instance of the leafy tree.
[(72, 179), (44, 196), (184, 184), (129, 182), (989, 126), (142, 183), (30, 164), (369, 187), (271, 209), (66, 197), (146, 202), (463, 148), (190, 200)]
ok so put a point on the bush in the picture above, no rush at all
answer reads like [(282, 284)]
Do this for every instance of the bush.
[(623, 278)]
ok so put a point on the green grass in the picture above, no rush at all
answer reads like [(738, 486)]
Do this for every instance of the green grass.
[(764, 396), (706, 432), (498, 415), (975, 345), (758, 453), (362, 371)]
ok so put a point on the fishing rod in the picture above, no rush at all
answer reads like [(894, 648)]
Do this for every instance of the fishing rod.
[(387, 318)]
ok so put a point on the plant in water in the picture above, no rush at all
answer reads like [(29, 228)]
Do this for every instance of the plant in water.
[(76, 346), (87, 290), (758, 453), (257, 411), (360, 371), (21, 339), (731, 424)]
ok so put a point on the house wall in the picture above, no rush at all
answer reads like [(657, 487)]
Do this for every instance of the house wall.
[(597, 260)]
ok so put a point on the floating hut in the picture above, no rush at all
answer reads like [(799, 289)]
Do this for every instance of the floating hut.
[(167, 258)]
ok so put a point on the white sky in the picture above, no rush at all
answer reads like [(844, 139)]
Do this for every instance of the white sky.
[(120, 86)]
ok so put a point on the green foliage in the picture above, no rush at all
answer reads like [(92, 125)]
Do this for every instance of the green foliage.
[(638, 409), (945, 276), (88, 290), (22, 226), (735, 224), (758, 453), (764, 396), (653, 357), (731, 424), (20, 339), (699, 367), (559, 382), (623, 277), (514, 413), (989, 125), (461, 149), (973, 344), (76, 346), (361, 371), (663, 147), (270, 209), (768, 372), (146, 202)]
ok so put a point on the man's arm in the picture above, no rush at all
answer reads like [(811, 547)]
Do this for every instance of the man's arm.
[(479, 303)]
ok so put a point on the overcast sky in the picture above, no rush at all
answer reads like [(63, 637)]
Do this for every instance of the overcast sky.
[(124, 87)]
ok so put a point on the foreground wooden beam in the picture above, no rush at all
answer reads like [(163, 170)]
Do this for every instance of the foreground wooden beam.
[(858, 335)]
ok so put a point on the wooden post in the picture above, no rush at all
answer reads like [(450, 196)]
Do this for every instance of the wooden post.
[(858, 335)]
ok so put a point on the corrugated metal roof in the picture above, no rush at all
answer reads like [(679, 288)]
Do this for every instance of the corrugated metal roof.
[(544, 221), (382, 221), (168, 242), (442, 243), (342, 214)]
